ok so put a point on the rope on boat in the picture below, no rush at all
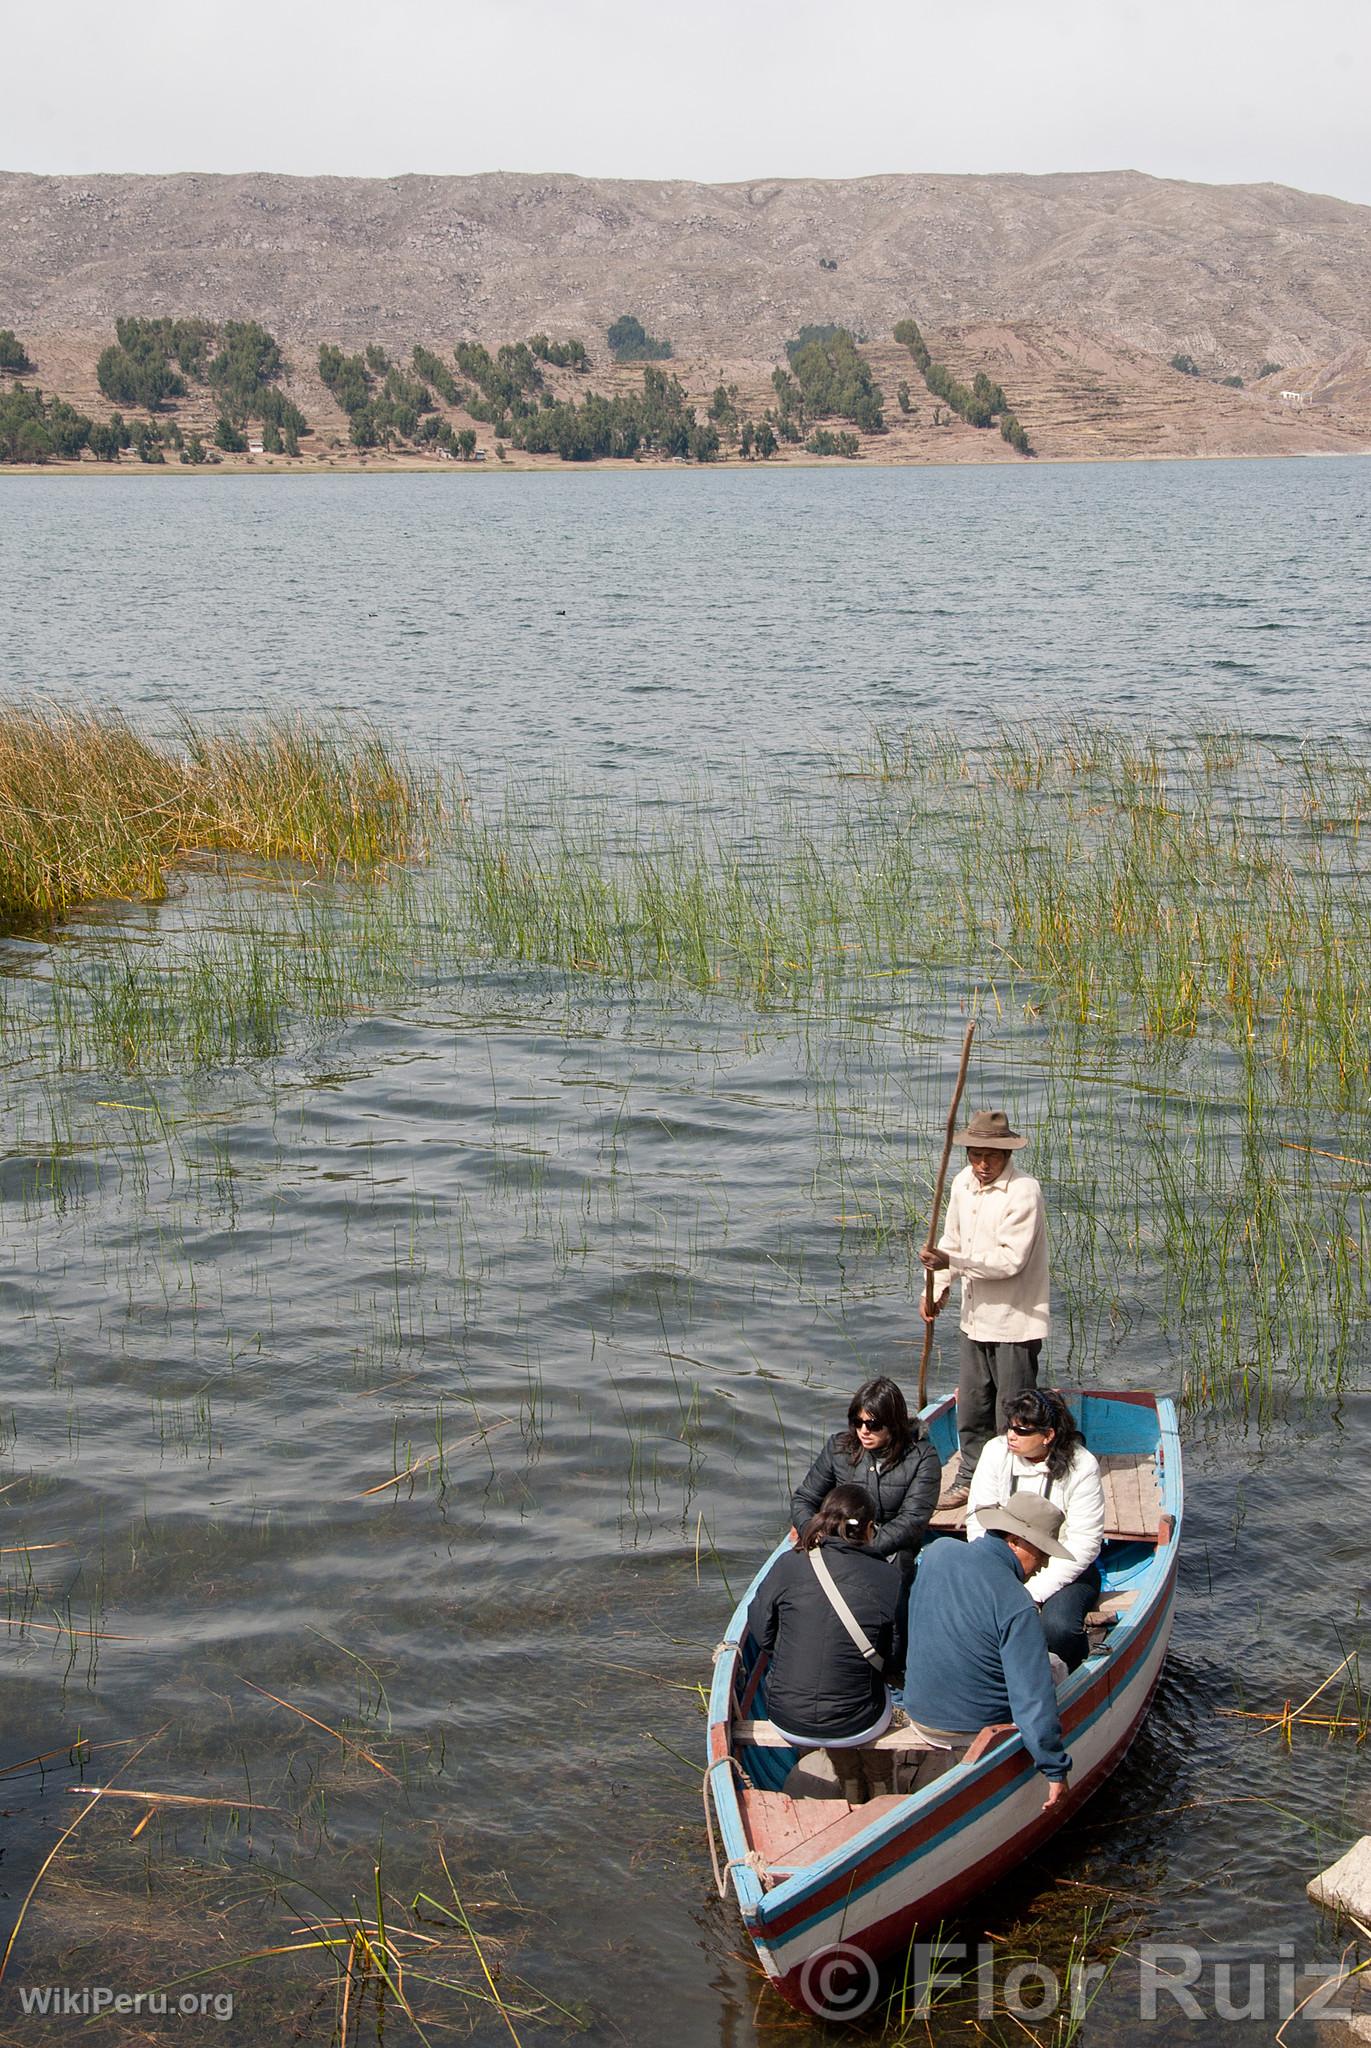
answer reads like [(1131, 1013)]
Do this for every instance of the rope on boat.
[(721, 1649), (751, 1861)]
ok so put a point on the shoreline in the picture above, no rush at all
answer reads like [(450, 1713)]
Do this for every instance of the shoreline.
[(401, 467)]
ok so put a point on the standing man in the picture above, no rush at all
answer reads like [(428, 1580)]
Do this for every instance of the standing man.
[(979, 1653), (995, 1240)]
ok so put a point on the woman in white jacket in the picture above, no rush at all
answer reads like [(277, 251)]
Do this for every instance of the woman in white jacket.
[(1042, 1452)]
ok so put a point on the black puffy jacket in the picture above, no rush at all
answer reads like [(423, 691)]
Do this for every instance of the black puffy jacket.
[(818, 1684), (904, 1495)]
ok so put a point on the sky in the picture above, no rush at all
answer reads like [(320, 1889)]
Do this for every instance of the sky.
[(715, 90)]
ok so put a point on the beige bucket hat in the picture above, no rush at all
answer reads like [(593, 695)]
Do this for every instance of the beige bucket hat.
[(1031, 1518)]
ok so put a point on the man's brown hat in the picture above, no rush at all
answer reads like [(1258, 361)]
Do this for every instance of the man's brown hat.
[(990, 1127)]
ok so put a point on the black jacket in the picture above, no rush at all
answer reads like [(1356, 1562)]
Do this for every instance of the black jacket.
[(904, 1496), (818, 1683)]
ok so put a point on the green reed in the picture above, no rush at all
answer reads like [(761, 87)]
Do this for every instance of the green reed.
[(1167, 938)]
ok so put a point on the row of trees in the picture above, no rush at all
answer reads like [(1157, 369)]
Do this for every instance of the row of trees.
[(435, 372), (1188, 367), (137, 368), (979, 403), (757, 441), (400, 407), (506, 380), (245, 371), (239, 361), (763, 439), (659, 420), (822, 442), (347, 377), (509, 387), (33, 429), (563, 355), (40, 430)]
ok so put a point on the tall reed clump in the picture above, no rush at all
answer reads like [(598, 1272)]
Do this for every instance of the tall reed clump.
[(291, 791), (90, 810)]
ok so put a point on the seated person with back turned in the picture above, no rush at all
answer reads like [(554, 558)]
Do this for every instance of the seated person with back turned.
[(1042, 1452), (981, 1653), (822, 1689)]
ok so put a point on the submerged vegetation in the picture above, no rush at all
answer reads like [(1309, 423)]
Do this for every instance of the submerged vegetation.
[(1168, 936)]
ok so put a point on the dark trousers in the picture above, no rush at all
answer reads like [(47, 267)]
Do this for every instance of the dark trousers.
[(991, 1376), (1064, 1617)]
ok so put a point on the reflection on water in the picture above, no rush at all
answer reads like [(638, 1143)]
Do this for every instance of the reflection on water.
[(592, 1277)]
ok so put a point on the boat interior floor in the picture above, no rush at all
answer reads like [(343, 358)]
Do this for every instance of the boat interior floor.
[(790, 1833)]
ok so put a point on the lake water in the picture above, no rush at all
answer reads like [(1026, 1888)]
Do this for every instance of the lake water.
[(616, 620), (613, 1255)]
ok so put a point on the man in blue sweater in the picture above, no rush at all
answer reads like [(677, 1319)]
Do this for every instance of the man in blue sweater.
[(977, 1653)]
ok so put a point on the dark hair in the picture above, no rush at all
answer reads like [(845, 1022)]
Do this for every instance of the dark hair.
[(883, 1399), (1039, 1409), (843, 1512)]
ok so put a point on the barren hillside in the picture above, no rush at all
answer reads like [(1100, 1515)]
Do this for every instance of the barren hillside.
[(1232, 275)]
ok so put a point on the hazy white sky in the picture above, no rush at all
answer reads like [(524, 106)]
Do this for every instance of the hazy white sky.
[(1216, 90)]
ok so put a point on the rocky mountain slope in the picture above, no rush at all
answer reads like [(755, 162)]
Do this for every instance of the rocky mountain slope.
[(1231, 275)]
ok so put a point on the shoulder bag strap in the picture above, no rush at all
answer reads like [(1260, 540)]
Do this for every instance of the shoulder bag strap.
[(843, 1611)]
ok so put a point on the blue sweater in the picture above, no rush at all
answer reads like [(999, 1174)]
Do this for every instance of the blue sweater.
[(977, 1653)]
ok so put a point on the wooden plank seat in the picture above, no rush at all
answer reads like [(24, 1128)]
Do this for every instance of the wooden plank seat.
[(766, 1735), (1132, 1498)]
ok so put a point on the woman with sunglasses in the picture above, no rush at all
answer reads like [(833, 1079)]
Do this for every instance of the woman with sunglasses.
[(1042, 1451), (884, 1451)]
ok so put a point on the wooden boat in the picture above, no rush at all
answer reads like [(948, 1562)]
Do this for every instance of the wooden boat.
[(815, 1876)]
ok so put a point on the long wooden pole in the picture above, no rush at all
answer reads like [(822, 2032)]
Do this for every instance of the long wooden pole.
[(938, 1204)]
